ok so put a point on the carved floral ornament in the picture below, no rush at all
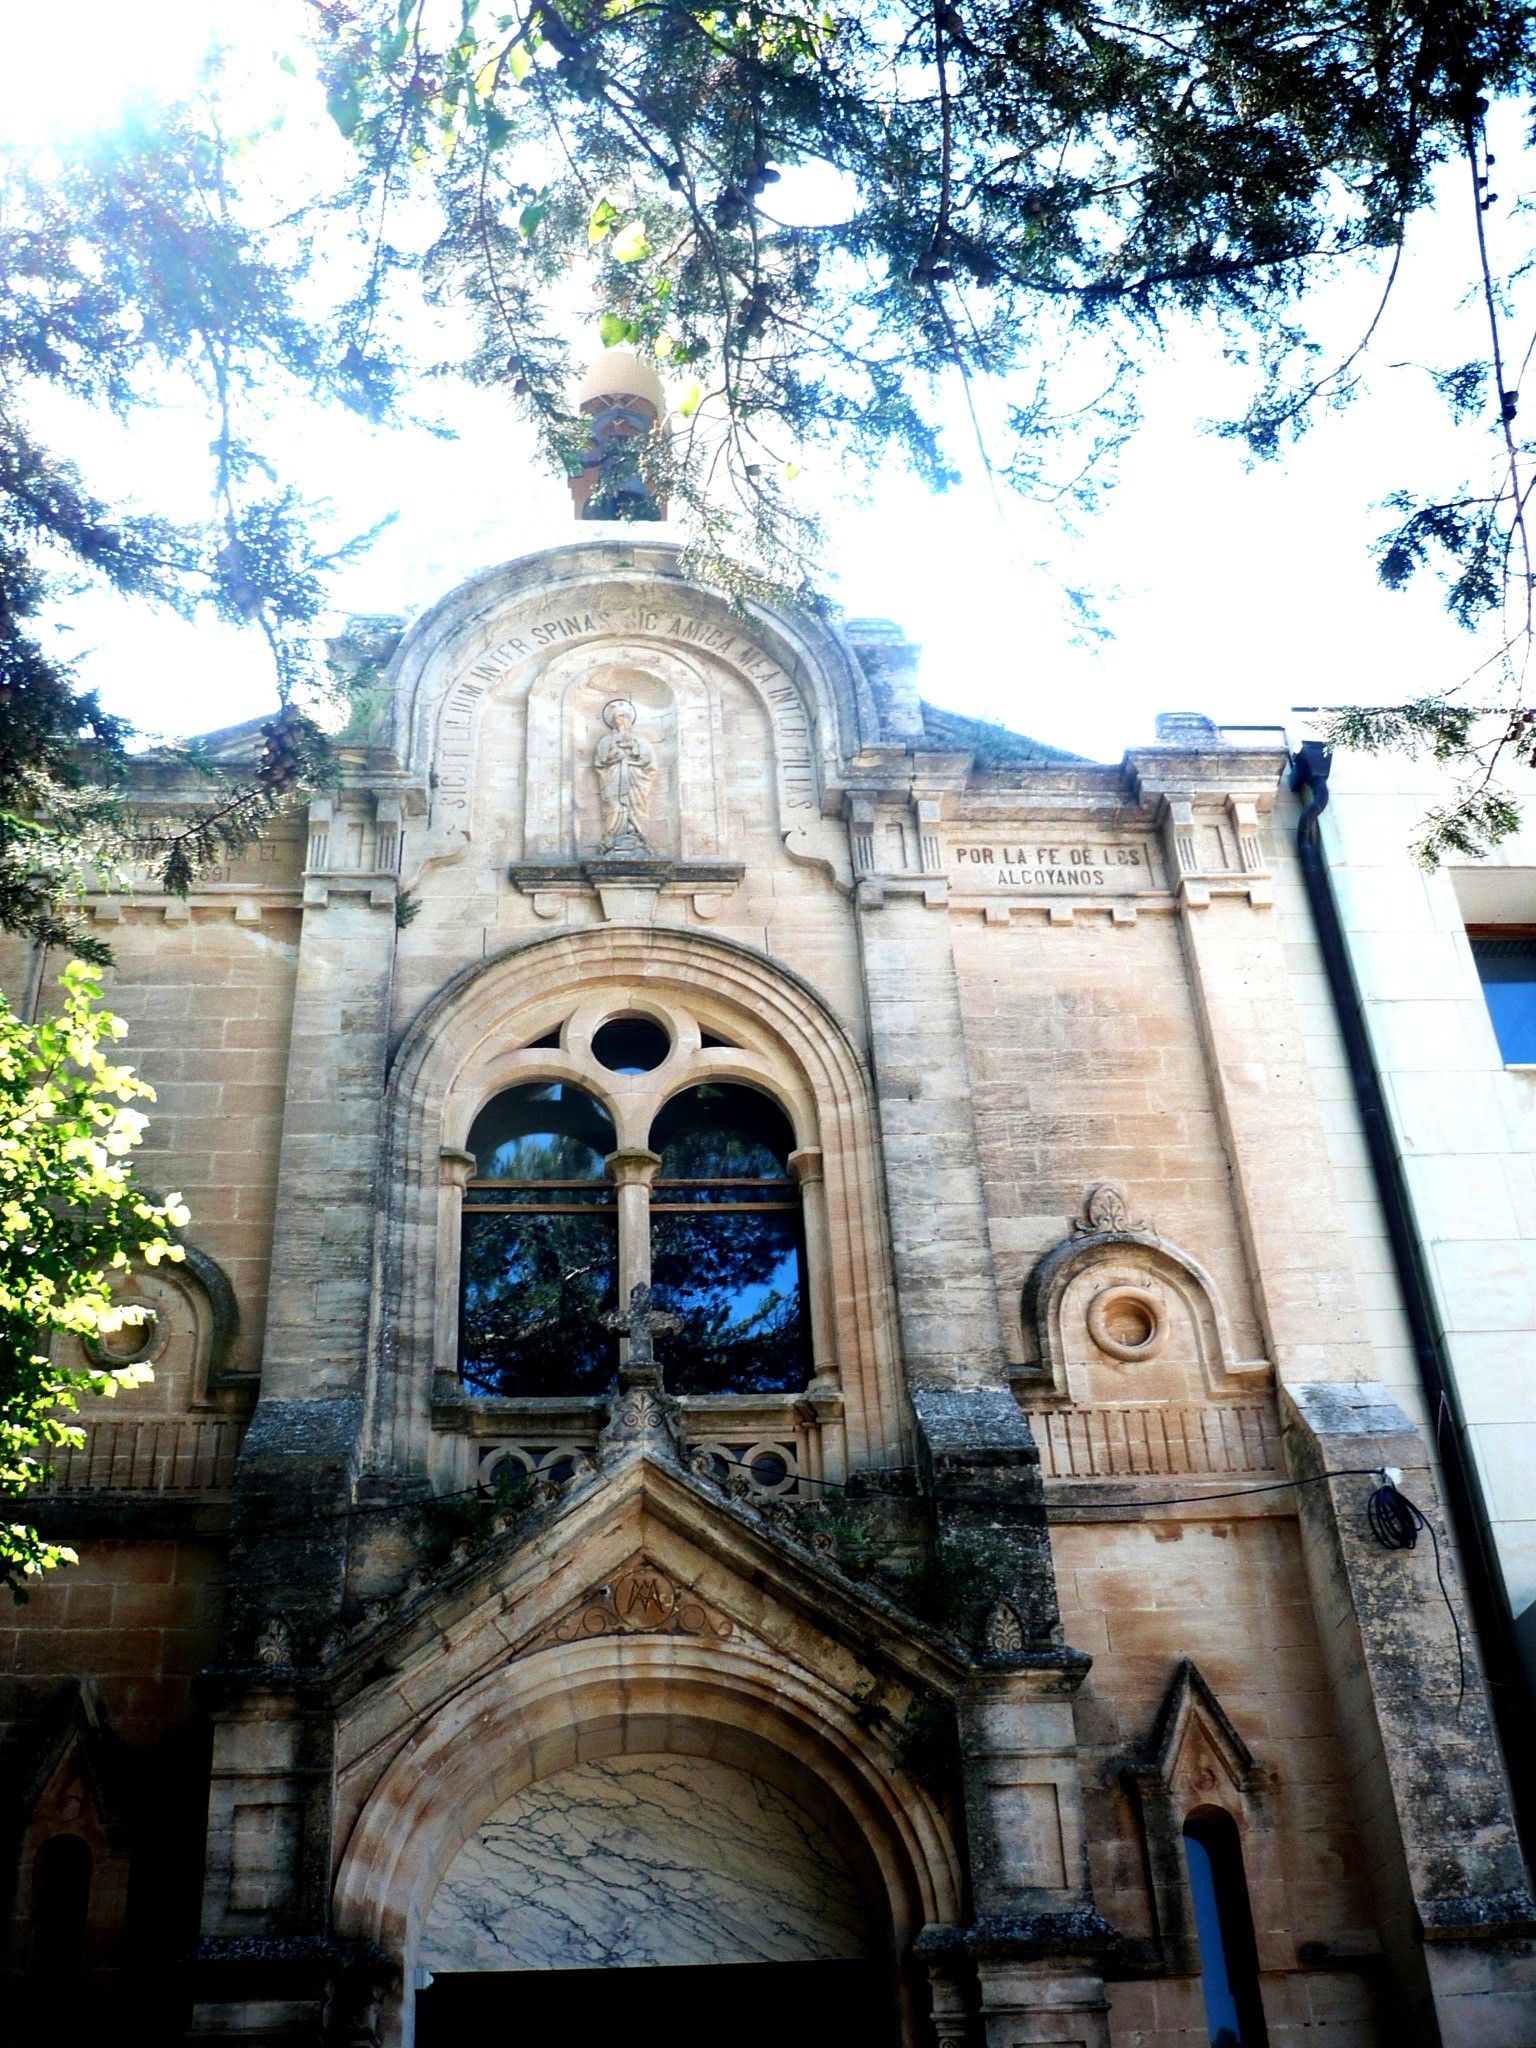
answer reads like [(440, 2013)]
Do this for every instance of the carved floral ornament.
[(1107, 1211)]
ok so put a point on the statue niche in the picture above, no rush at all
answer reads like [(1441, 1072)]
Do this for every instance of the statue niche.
[(625, 757), (625, 767), (622, 754)]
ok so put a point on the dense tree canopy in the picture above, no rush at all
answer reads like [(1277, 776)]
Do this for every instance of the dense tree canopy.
[(815, 212), (129, 261), (818, 215)]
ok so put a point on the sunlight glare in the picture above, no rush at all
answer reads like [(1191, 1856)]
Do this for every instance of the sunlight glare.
[(83, 75)]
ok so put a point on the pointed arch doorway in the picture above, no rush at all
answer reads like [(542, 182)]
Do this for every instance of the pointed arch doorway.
[(659, 1891)]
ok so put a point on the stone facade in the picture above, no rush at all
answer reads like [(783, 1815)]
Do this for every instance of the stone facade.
[(1061, 1545)]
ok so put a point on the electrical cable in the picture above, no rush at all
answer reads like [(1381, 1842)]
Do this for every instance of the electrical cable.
[(1395, 1523)]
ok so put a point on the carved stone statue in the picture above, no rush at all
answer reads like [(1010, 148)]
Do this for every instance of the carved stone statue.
[(625, 768)]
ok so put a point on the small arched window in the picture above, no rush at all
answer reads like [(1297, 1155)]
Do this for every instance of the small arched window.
[(1229, 1963), (539, 1261), (61, 1901), (727, 1244)]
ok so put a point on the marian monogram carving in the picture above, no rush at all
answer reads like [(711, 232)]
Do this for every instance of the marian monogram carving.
[(641, 1599), (625, 768)]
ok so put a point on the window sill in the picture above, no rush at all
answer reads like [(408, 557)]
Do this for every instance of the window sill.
[(565, 1415)]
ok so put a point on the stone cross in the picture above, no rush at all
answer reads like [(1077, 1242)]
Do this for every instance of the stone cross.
[(640, 1323)]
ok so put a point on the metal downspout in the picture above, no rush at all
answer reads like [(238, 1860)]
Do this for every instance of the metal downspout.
[(1512, 1707)]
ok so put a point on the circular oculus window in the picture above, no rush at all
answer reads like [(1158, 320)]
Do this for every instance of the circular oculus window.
[(131, 1344), (1127, 1323), (630, 1045)]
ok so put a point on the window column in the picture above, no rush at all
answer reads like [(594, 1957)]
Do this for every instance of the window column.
[(632, 1174), (807, 1169)]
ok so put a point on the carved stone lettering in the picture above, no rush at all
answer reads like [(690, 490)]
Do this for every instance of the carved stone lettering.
[(1063, 867)]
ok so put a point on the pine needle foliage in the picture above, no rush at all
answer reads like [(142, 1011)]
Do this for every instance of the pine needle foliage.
[(131, 264), (813, 212)]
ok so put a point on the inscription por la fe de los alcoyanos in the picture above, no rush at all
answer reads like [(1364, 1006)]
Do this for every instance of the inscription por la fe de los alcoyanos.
[(1102, 867)]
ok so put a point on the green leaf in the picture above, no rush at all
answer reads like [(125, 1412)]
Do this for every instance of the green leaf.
[(528, 220), (630, 244), (345, 109), (599, 221), (615, 330), (519, 63), (691, 399)]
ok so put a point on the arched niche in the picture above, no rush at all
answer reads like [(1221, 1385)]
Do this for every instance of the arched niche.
[(640, 1697), (678, 703), (481, 1034), (579, 600), (186, 1341), (1121, 1315)]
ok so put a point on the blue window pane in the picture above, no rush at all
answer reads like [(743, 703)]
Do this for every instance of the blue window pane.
[(733, 1277), (1215, 1982), (1508, 971), (1229, 1969), (546, 1130), (536, 1290)]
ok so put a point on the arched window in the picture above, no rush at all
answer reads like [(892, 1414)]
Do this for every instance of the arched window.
[(540, 1255), (1229, 1963), (61, 1898), (727, 1244)]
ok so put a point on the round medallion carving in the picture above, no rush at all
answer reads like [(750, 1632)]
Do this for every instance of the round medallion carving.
[(1128, 1323), (643, 1598)]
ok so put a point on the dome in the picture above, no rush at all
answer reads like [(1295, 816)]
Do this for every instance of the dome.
[(621, 373)]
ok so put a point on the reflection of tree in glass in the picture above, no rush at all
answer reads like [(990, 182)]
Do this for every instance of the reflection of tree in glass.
[(730, 1271), (542, 1155), (722, 1132), (544, 1130), (535, 1286), (733, 1277)]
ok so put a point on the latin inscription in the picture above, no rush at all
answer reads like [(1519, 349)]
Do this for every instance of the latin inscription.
[(794, 741), (1038, 866)]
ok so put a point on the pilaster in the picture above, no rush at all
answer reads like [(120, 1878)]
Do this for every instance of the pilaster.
[(945, 1286), (272, 1783), (1299, 1259), (1452, 1896)]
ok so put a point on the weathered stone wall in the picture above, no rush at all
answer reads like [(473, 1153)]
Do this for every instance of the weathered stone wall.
[(1087, 1066), (1230, 1594), (140, 1617)]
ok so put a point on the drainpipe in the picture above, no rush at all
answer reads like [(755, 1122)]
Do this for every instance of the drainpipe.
[(1512, 1706)]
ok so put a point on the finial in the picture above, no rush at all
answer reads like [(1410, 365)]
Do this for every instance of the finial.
[(621, 396)]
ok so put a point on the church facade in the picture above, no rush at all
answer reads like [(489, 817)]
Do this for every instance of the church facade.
[(769, 1418)]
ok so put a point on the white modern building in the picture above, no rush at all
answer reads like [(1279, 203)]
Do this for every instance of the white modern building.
[(1435, 977)]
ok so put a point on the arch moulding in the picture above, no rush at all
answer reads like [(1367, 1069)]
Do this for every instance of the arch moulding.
[(635, 1695), (473, 1038), (1131, 1253)]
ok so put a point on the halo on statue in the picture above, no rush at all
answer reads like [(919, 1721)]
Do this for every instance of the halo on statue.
[(617, 705)]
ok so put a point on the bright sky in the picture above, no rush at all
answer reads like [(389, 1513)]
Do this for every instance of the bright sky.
[(1229, 590)]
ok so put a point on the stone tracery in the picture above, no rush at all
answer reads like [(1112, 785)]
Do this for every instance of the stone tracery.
[(475, 1039)]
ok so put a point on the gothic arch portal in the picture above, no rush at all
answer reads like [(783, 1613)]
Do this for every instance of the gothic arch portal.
[(633, 1695), (478, 1035)]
